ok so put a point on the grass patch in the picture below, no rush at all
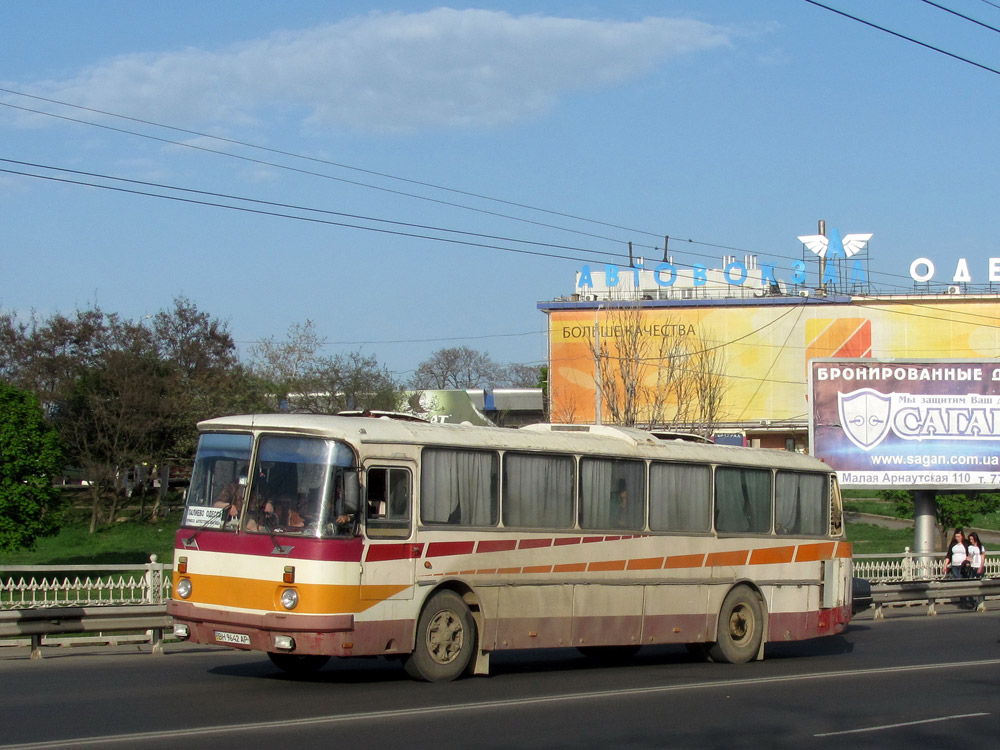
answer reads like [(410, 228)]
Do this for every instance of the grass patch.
[(121, 544), (869, 539), (874, 507)]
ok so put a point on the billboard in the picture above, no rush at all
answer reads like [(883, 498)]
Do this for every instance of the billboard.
[(907, 424), (767, 345)]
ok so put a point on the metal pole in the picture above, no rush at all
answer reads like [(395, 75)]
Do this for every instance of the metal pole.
[(924, 530), (598, 406)]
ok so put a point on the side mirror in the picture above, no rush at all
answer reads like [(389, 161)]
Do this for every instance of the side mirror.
[(352, 492)]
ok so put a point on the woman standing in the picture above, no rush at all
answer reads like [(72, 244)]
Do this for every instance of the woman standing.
[(977, 556), (956, 553), (977, 563)]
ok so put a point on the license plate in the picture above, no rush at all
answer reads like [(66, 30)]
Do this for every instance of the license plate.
[(240, 639)]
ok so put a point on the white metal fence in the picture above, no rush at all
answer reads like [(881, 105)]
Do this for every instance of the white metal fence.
[(42, 586), (912, 566)]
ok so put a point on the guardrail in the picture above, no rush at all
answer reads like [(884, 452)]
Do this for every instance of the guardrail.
[(933, 592), (44, 600), (36, 623)]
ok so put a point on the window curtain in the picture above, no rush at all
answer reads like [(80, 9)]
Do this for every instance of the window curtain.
[(612, 494), (680, 497), (801, 503), (458, 487), (538, 491), (742, 500)]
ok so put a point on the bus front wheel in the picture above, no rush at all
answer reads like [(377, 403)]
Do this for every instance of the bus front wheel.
[(446, 638), (740, 628)]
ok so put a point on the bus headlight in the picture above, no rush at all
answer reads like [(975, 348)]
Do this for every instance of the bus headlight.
[(184, 588), (289, 598)]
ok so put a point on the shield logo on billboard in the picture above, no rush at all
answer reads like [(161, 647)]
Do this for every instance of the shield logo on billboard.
[(864, 416)]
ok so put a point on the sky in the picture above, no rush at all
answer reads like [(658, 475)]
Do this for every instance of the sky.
[(412, 177)]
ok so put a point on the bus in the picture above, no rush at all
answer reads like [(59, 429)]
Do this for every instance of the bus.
[(310, 536)]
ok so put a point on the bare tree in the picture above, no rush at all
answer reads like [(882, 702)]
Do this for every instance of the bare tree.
[(656, 374), (307, 381), (460, 367), (284, 364), (517, 375), (457, 368)]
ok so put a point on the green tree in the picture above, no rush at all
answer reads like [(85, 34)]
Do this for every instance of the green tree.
[(30, 457), (953, 509)]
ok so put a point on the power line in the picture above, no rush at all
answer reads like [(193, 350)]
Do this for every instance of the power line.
[(277, 165), (275, 204), (421, 341), (960, 15), (297, 207), (931, 47), (322, 175), (276, 214)]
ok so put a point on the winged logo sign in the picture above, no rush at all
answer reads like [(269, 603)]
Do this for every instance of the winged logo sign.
[(835, 246), (864, 416)]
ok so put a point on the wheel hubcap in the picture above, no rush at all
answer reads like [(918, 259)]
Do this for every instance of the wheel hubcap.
[(445, 637), (741, 625)]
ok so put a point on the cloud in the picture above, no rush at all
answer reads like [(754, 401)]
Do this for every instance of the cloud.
[(437, 69)]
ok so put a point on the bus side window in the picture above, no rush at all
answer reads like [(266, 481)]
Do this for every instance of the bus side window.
[(377, 489), (388, 501)]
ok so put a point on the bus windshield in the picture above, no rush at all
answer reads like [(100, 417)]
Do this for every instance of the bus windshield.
[(216, 495), (303, 486), (297, 485)]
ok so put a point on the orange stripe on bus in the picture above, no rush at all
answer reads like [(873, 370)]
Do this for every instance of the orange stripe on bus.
[(735, 557), (772, 555), (646, 563), (814, 552), (569, 568), (607, 565), (507, 571), (538, 569), (245, 593), (684, 561), (845, 549)]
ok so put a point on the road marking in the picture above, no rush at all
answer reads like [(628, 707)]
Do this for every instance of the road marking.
[(883, 727), (428, 711)]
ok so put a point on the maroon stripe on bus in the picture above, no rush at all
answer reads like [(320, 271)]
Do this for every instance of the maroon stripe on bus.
[(394, 551), (497, 545), (262, 545), (442, 549), (567, 540), (533, 543)]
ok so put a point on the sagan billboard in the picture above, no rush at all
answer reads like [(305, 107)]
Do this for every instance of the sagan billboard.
[(907, 424)]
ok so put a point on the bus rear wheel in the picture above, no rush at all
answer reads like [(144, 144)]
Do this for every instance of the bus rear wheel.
[(298, 663), (445, 639), (740, 629)]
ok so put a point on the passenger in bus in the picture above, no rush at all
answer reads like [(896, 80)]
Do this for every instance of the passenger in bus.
[(619, 506), (344, 515), (230, 498)]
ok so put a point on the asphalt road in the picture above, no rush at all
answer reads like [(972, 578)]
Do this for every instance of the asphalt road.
[(909, 682)]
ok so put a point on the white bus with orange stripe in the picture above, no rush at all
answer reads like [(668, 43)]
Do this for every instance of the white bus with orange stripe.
[(309, 536)]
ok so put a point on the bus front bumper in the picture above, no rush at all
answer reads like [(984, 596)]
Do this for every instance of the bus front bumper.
[(269, 631)]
